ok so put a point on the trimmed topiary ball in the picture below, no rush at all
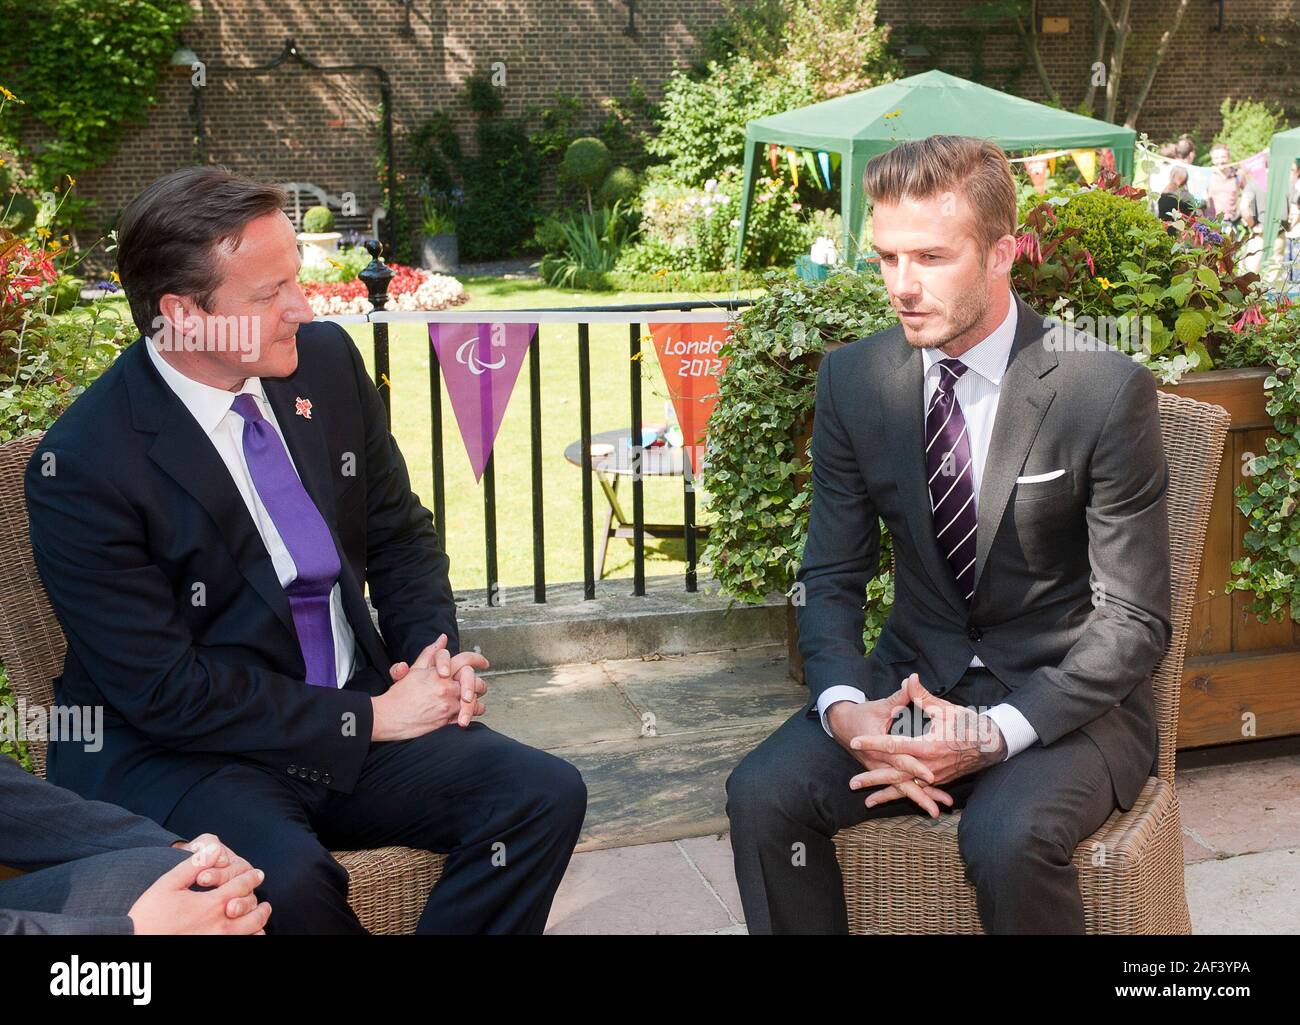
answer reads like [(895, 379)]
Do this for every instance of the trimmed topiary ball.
[(620, 184), (318, 220), (587, 162)]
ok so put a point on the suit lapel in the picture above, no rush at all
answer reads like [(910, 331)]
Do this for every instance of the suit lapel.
[(185, 453), (1023, 399), (902, 402)]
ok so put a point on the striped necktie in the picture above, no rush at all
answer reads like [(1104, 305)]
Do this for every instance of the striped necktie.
[(951, 478)]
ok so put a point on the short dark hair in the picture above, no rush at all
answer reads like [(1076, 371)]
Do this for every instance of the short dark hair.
[(924, 168), (167, 234)]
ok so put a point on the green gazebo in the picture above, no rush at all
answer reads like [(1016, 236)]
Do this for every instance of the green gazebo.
[(1283, 151), (861, 125)]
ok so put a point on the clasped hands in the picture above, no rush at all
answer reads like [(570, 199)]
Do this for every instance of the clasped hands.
[(957, 742), (436, 690)]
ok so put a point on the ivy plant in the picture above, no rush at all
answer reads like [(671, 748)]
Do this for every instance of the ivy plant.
[(1270, 498), (758, 473)]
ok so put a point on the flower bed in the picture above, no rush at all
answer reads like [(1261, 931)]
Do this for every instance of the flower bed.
[(411, 289)]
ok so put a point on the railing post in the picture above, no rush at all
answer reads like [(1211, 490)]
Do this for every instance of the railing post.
[(376, 276)]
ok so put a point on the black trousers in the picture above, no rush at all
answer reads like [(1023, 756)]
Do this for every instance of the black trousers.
[(507, 815), (1021, 822)]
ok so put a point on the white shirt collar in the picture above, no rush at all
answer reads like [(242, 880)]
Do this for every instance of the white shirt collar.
[(989, 356), (208, 405)]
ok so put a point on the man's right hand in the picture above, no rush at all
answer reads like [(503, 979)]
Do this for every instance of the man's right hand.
[(437, 690), (848, 719), (170, 908)]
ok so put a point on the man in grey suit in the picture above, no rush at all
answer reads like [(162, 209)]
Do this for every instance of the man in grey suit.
[(95, 868), (1022, 477)]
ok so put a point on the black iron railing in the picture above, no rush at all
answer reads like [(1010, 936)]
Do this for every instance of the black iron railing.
[(377, 276)]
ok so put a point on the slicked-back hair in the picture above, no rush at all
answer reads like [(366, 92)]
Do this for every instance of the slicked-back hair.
[(167, 237), (930, 167)]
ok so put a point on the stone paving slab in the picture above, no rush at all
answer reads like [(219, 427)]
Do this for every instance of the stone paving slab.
[(1256, 894), (636, 891), (1243, 808), (659, 788), (712, 690)]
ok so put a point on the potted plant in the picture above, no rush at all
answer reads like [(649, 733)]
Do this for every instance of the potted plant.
[(439, 244), (318, 238)]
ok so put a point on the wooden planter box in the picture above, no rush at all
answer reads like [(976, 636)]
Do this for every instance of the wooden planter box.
[(1242, 677)]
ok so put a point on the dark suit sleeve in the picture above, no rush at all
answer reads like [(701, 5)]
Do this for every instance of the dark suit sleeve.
[(406, 567), (44, 923), (42, 825), (122, 623), (1128, 547), (841, 554)]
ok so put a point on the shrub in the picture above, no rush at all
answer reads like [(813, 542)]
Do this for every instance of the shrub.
[(620, 184), (317, 220), (592, 242), (702, 121), (1104, 219), (1248, 126), (838, 40), (500, 183)]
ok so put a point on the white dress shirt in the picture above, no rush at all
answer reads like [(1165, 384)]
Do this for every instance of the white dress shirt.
[(210, 407), (977, 393)]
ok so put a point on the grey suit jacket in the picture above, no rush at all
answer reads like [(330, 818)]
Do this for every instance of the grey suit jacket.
[(42, 825), (1071, 605)]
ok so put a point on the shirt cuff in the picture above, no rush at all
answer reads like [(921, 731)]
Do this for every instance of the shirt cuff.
[(1015, 728), (833, 694)]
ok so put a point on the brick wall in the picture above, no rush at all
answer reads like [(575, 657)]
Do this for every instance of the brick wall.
[(296, 125)]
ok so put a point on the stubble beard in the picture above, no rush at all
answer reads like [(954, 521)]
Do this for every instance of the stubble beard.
[(966, 312)]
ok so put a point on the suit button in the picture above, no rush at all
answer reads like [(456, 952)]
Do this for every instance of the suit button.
[(315, 776), (292, 769), (974, 633), (302, 772), (327, 779)]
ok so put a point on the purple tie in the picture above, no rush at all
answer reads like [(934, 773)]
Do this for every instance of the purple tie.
[(305, 535), (952, 489)]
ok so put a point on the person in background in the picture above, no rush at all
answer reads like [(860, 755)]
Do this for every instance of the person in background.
[(1175, 197), (1248, 204), (1224, 189)]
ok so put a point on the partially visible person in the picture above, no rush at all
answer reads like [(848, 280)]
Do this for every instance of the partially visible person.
[(95, 868), (1248, 203), (1224, 189), (1291, 237), (1185, 149), (1175, 197)]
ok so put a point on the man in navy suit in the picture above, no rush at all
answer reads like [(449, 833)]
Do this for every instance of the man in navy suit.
[(205, 518)]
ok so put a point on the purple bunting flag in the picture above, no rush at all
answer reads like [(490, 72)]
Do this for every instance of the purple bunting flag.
[(480, 363)]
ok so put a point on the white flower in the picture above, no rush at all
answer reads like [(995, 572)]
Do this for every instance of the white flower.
[(711, 184)]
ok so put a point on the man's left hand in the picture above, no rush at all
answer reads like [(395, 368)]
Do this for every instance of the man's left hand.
[(958, 742), (472, 686)]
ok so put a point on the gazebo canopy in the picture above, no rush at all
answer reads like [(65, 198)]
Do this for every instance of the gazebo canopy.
[(861, 125), (1283, 151)]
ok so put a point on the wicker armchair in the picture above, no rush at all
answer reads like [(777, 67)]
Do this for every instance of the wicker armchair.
[(905, 874), (387, 887)]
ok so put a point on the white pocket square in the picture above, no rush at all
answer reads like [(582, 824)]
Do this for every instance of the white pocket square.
[(1038, 478)]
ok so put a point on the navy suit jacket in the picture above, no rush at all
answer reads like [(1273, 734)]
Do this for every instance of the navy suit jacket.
[(175, 619)]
